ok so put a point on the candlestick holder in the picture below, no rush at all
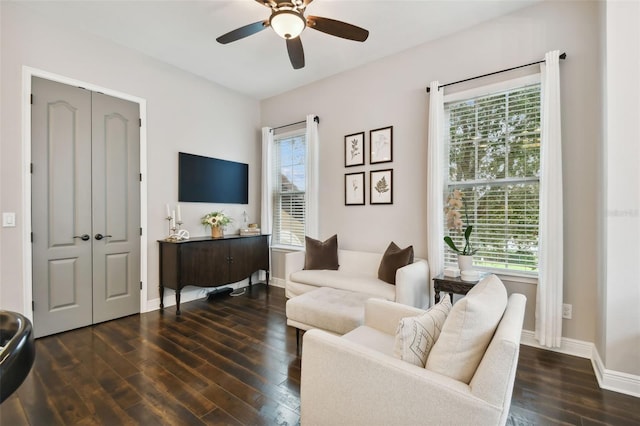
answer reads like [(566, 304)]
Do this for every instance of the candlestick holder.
[(168, 219)]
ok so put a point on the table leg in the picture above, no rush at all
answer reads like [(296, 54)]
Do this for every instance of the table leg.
[(177, 302), (436, 295), (161, 288)]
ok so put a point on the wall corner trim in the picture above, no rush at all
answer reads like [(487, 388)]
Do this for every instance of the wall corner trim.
[(615, 381)]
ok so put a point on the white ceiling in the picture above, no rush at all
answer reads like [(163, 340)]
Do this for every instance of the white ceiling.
[(183, 33)]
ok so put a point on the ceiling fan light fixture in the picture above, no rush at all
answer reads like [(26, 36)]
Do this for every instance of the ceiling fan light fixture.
[(287, 23)]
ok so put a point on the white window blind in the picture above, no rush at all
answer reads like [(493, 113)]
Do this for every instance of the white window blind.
[(289, 194), (494, 159)]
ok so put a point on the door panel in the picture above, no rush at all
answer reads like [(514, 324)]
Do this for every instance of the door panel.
[(63, 285), (116, 207), (61, 206), (86, 165)]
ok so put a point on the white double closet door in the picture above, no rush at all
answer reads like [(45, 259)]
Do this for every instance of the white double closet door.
[(85, 151)]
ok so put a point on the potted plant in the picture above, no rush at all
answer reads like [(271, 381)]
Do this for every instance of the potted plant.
[(217, 221), (454, 223)]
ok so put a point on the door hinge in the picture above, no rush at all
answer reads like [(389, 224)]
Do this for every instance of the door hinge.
[(33, 305), (140, 177), (32, 237), (141, 231), (139, 122), (31, 100), (31, 168), (140, 285)]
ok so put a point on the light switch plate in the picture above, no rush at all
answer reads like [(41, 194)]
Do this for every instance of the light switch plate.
[(8, 219)]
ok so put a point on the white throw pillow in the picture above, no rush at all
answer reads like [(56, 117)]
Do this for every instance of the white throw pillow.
[(416, 335), (468, 330)]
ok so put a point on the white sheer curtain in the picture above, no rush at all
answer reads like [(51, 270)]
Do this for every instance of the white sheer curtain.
[(550, 246), (266, 209), (266, 203), (313, 178), (435, 184)]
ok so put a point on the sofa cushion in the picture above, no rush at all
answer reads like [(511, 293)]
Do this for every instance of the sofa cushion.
[(344, 281), (416, 335), (468, 329), (393, 259), (321, 254)]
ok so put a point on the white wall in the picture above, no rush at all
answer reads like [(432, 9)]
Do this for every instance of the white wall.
[(392, 92), (619, 341), (185, 113)]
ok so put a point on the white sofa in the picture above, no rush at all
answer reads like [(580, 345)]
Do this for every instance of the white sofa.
[(359, 272), (355, 379)]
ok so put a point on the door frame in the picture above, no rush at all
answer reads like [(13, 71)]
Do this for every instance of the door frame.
[(27, 263)]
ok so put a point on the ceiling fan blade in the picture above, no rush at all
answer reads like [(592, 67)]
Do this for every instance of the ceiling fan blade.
[(337, 28), (242, 32), (296, 52)]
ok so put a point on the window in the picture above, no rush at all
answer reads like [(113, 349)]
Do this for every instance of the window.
[(289, 204), (494, 160)]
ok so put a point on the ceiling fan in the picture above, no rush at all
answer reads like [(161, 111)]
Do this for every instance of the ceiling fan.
[(288, 21)]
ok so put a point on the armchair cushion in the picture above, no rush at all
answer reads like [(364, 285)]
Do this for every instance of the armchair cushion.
[(393, 259), (321, 254), (468, 329), (416, 335)]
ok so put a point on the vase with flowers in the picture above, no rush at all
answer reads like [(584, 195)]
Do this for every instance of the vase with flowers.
[(217, 221), (454, 223)]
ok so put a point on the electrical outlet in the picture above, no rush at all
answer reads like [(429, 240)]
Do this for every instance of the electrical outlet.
[(567, 310)]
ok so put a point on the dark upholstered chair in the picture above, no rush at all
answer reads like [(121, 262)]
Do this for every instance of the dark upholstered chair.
[(17, 351)]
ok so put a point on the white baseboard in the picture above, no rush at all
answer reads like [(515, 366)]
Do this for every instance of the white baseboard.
[(616, 381), (276, 282), (195, 293), (568, 346)]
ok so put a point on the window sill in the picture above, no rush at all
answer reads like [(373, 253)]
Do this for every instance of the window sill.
[(286, 249), (512, 276)]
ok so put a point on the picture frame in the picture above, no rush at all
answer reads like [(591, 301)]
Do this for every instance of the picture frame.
[(381, 186), (354, 189), (354, 150), (381, 145)]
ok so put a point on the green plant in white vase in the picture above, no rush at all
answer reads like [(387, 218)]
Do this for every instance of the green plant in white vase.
[(455, 223)]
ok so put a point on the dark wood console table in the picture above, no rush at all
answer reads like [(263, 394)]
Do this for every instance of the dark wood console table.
[(211, 262), (452, 285)]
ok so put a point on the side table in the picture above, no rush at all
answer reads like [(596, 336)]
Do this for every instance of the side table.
[(453, 285)]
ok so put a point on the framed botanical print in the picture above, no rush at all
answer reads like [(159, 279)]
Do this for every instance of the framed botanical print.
[(381, 145), (381, 187), (354, 189), (354, 150)]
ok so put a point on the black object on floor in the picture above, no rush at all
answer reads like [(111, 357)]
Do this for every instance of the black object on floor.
[(219, 292)]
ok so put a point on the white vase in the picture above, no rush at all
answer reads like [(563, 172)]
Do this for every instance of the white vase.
[(465, 262)]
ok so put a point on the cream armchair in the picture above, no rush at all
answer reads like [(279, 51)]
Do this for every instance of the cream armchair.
[(355, 380)]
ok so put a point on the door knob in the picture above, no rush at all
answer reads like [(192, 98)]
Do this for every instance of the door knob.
[(100, 236), (83, 237)]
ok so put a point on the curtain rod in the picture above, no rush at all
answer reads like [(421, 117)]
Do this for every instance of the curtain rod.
[(562, 56), (316, 119)]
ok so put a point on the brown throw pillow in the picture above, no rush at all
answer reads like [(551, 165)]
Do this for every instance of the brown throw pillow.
[(393, 259), (321, 254)]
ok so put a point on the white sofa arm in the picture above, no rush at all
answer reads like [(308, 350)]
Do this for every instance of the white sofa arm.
[(364, 387), (498, 367), (384, 315), (293, 262), (412, 284)]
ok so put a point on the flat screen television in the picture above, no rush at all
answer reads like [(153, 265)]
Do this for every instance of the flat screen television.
[(211, 180)]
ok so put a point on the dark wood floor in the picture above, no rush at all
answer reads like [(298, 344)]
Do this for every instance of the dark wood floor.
[(233, 361)]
